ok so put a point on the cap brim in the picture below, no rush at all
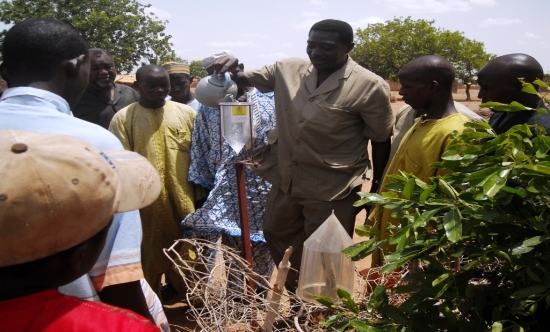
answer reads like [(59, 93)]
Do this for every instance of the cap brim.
[(138, 181)]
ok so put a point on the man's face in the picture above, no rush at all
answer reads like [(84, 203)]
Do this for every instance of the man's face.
[(493, 86), (102, 71), (325, 50), (414, 91), (154, 87), (180, 87)]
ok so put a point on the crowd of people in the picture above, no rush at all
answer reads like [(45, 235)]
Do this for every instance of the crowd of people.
[(98, 178)]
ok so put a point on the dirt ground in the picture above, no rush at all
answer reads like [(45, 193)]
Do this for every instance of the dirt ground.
[(176, 308)]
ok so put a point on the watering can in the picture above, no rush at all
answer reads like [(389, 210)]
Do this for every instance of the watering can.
[(211, 90)]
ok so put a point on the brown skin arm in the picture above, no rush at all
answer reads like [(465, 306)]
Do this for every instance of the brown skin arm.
[(380, 156), (129, 296)]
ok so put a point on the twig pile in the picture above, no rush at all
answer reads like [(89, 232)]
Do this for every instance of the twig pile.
[(216, 279)]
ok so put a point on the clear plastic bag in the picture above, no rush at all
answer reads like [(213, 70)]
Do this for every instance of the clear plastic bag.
[(324, 267)]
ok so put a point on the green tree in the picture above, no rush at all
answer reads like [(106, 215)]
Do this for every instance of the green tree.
[(120, 26), (386, 47), (171, 58), (468, 56), (197, 71)]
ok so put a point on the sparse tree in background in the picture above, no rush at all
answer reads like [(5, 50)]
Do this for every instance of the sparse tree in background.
[(197, 71), (174, 58), (468, 56), (386, 47), (121, 27)]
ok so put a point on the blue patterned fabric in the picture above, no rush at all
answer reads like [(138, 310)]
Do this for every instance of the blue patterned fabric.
[(214, 169)]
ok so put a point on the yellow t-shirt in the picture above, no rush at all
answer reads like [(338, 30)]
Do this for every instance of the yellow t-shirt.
[(422, 145)]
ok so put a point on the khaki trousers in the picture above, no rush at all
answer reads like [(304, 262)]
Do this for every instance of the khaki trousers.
[(289, 221)]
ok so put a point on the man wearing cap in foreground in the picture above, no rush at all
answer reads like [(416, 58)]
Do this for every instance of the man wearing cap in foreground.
[(180, 84), (219, 214), (160, 130), (103, 97), (58, 195), (47, 66)]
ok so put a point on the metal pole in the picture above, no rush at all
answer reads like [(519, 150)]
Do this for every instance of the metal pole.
[(243, 210)]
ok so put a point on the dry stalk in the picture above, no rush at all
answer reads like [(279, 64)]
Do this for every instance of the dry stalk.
[(216, 275)]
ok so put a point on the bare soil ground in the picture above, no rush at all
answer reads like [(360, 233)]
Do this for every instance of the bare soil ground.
[(176, 308)]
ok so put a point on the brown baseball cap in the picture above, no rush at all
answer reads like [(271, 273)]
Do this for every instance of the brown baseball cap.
[(57, 191)]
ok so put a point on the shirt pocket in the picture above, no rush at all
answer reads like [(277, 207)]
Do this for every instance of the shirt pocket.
[(178, 138), (412, 167), (334, 118)]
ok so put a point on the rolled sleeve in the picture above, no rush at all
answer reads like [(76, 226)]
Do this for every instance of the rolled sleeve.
[(377, 113), (262, 79)]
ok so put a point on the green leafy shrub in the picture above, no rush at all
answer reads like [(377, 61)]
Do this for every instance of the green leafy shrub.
[(481, 234)]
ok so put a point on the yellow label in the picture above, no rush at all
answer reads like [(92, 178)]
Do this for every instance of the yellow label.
[(238, 110)]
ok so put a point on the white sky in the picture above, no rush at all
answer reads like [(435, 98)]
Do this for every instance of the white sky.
[(261, 32)]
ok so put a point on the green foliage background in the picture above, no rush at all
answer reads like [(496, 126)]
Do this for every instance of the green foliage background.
[(121, 27), (384, 48)]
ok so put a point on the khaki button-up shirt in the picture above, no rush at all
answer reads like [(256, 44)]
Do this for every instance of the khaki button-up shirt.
[(319, 148)]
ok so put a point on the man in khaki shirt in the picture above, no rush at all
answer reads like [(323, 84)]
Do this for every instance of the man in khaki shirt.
[(327, 109)]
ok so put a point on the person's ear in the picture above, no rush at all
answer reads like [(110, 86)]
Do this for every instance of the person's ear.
[(434, 85), (137, 86), (4, 74), (72, 66), (349, 47)]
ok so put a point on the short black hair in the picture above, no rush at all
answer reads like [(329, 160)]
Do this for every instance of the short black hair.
[(99, 52), (37, 46), (433, 67), (148, 68), (516, 65), (342, 28)]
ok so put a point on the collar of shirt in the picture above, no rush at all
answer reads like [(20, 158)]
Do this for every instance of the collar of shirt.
[(35, 97)]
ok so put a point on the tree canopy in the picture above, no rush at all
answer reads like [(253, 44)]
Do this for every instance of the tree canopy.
[(122, 27), (197, 71), (386, 47)]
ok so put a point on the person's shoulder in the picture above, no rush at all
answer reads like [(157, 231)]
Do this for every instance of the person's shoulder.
[(473, 116), (404, 110), (87, 94), (365, 74), (455, 121), (293, 64), (123, 87), (106, 317), (124, 111), (183, 110), (95, 134), (126, 89), (541, 119)]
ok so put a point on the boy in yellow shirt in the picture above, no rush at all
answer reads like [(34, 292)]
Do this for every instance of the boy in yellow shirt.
[(426, 85)]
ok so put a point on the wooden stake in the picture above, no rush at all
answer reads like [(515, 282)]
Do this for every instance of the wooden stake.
[(278, 290)]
